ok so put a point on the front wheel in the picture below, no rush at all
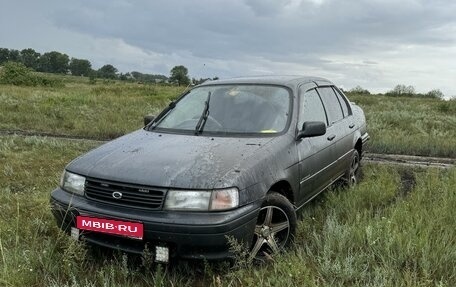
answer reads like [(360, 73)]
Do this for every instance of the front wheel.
[(275, 228)]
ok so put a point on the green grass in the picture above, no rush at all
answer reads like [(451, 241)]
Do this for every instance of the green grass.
[(405, 125), (102, 111), (396, 228)]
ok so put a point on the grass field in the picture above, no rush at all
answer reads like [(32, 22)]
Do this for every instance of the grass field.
[(396, 228), (108, 109), (405, 125), (103, 111)]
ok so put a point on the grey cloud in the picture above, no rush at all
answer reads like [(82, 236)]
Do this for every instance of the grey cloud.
[(220, 29), (267, 7)]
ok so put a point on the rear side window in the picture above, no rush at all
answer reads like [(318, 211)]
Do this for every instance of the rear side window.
[(343, 103), (311, 108), (333, 109)]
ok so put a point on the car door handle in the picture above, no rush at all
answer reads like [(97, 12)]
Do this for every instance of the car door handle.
[(331, 137), (351, 126)]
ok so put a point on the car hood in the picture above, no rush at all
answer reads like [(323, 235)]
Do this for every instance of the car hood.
[(167, 160)]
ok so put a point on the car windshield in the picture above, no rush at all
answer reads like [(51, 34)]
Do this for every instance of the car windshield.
[(248, 109)]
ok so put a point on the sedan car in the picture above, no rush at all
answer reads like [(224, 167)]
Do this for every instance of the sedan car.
[(228, 161)]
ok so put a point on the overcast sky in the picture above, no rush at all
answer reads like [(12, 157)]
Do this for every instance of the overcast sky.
[(374, 44)]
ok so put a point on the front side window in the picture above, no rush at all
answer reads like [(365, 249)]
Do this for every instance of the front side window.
[(332, 106), (244, 109), (310, 108)]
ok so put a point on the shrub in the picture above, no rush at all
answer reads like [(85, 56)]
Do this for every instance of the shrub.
[(15, 73), (92, 78), (448, 107), (402, 91), (436, 94), (359, 90)]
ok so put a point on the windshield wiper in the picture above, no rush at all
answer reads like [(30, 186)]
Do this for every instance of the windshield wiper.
[(202, 120)]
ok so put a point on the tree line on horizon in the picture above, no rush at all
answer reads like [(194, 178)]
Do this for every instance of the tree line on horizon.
[(401, 91), (60, 63)]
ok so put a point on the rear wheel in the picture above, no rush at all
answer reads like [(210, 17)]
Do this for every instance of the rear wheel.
[(351, 176), (275, 228)]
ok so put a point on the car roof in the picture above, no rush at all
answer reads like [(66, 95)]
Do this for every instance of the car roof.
[(290, 81)]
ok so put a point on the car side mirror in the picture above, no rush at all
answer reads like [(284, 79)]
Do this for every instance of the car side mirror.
[(148, 119), (312, 129)]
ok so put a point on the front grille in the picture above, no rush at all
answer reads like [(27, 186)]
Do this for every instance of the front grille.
[(139, 196)]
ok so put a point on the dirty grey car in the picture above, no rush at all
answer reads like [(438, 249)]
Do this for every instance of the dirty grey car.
[(230, 160)]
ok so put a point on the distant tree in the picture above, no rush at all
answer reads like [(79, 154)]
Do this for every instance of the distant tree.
[(4, 55), (179, 75), (30, 58), (215, 78), (161, 78), (402, 90), (359, 90), (14, 56), (123, 77), (92, 77), (7, 55), (147, 78), (80, 67), (53, 62), (136, 75), (436, 93), (108, 72)]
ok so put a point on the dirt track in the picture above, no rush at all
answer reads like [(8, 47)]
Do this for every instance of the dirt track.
[(410, 160), (405, 160)]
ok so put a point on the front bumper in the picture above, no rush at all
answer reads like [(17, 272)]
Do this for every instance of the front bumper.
[(191, 235)]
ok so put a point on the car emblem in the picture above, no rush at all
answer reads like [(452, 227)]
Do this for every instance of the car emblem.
[(117, 195), (143, 190)]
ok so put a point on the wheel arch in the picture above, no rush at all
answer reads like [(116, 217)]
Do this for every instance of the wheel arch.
[(358, 142), (284, 188), (359, 147)]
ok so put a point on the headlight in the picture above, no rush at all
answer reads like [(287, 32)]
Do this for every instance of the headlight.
[(72, 183), (222, 199)]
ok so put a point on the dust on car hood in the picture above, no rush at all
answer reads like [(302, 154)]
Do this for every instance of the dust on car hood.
[(167, 160)]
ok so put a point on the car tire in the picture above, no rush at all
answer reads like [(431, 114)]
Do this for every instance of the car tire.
[(275, 228), (351, 176)]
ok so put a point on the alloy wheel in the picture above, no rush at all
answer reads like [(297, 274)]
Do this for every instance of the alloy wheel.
[(354, 166), (271, 233)]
